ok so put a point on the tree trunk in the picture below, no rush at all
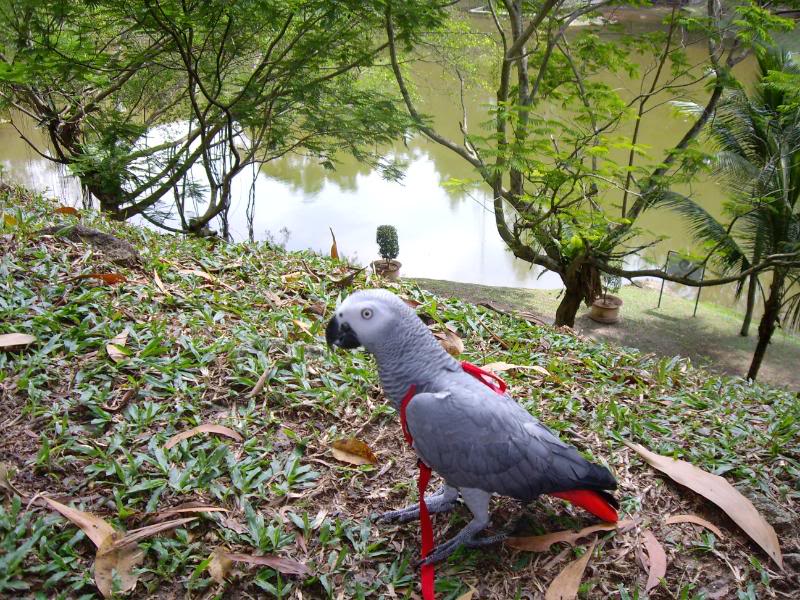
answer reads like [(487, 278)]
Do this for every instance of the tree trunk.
[(752, 288), (769, 320), (568, 309)]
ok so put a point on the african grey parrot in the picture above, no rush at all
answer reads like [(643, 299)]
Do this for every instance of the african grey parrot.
[(479, 441)]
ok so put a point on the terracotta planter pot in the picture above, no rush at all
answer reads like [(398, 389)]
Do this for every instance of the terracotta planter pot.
[(606, 309), (390, 269)]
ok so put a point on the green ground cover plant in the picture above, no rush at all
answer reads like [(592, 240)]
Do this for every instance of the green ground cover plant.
[(233, 335)]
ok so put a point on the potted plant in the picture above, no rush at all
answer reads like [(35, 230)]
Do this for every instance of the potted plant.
[(388, 248), (605, 308)]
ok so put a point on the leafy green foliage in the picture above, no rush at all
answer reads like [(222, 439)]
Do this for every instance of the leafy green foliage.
[(388, 246), (196, 351), (133, 95)]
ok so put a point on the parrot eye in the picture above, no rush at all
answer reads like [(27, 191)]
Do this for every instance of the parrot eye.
[(366, 313)]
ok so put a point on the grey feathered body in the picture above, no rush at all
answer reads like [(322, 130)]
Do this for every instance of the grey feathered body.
[(467, 433)]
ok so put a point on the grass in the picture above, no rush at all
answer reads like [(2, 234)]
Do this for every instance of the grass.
[(89, 431), (711, 339)]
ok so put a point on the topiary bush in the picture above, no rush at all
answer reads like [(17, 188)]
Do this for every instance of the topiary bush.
[(388, 246)]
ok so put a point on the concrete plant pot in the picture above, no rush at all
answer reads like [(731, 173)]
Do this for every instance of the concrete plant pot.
[(606, 309), (390, 269)]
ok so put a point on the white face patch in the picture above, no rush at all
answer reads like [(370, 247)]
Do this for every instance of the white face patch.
[(368, 317)]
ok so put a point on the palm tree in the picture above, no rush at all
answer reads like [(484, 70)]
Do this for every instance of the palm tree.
[(757, 139)]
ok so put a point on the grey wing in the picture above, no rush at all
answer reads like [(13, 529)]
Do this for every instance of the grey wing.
[(489, 442)]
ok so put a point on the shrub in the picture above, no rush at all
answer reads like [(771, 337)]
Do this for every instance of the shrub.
[(388, 246)]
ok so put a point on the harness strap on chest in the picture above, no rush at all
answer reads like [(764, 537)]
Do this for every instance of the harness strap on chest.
[(427, 576)]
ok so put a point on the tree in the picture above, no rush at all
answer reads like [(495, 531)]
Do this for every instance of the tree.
[(757, 138), (554, 180), (139, 96)]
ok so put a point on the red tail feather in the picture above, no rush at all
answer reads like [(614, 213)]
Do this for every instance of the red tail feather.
[(591, 501)]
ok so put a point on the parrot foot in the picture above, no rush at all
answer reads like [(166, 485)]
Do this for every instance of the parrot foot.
[(441, 500), (442, 551), (478, 503)]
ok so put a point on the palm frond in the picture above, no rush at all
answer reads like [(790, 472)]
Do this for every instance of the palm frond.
[(705, 228)]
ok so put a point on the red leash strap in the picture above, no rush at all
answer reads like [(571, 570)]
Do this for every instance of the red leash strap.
[(427, 576), (485, 377), (426, 573)]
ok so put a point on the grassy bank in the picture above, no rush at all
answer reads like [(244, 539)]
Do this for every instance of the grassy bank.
[(233, 335), (711, 339)]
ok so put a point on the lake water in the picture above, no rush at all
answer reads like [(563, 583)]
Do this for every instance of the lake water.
[(444, 233)]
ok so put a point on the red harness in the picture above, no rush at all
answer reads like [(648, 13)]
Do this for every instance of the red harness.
[(426, 571)]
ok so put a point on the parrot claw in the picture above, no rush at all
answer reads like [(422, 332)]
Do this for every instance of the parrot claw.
[(444, 550), (411, 513), (441, 500)]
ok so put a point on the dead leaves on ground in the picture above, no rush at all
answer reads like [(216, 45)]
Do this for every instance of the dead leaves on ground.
[(499, 367), (697, 521), (115, 347), (221, 562), (354, 452), (542, 543), (720, 492), (450, 341), (14, 340), (657, 558), (287, 566), (565, 585), (117, 553), (105, 278), (207, 276), (205, 428), (67, 210), (334, 248)]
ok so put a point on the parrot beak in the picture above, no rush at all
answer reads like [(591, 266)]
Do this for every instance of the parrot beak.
[(341, 335)]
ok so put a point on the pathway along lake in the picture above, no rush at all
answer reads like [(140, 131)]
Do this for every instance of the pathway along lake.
[(444, 232)]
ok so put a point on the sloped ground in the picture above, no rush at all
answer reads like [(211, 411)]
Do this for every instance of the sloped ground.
[(711, 339), (86, 429)]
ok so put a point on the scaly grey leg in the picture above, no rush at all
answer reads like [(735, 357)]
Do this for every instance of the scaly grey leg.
[(478, 503), (441, 500)]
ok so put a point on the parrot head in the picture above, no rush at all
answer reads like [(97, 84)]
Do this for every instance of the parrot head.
[(364, 319)]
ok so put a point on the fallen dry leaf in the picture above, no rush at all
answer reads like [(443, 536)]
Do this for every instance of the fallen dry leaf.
[(354, 452), (206, 428), (347, 280), (207, 276), (721, 493), (542, 543), (121, 562), (135, 535), (114, 347), (467, 595), (303, 326), (67, 210), (262, 381), (160, 284), (292, 277), (95, 528), (565, 585), (657, 558), (10, 340), (107, 278), (450, 341), (696, 520), (498, 367), (334, 248), (287, 566), (219, 567), (233, 525), (177, 510)]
